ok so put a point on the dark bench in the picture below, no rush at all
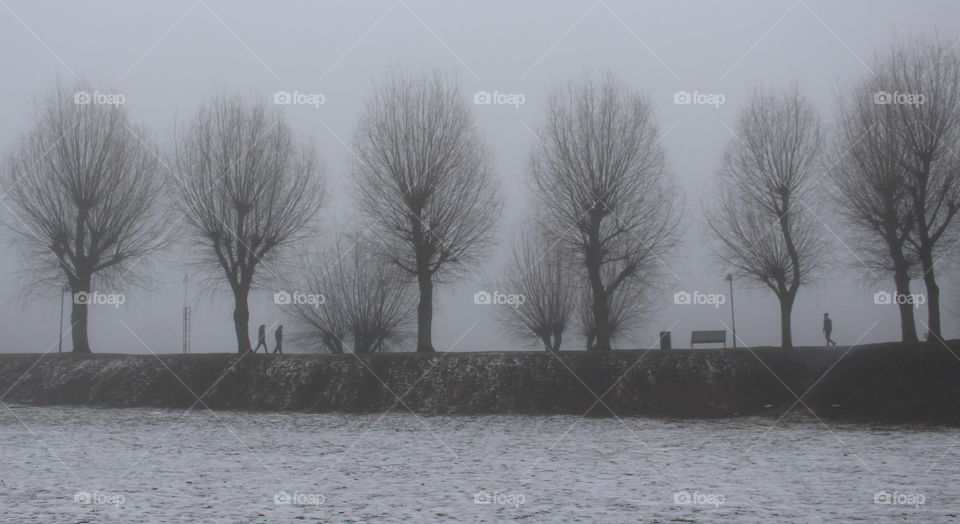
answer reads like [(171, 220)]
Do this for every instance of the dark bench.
[(708, 337)]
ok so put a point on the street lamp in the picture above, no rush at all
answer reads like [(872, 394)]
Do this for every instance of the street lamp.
[(63, 291), (733, 318)]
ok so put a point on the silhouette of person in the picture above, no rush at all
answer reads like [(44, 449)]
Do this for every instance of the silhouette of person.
[(279, 336), (827, 328), (261, 338)]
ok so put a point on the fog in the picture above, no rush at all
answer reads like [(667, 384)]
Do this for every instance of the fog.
[(168, 58)]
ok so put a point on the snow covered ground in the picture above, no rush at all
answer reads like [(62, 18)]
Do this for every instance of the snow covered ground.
[(65, 464)]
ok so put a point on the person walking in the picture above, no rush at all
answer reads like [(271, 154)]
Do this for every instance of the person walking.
[(262, 339), (828, 328), (279, 336)]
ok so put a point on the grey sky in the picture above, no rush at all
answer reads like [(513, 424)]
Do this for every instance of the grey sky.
[(168, 57)]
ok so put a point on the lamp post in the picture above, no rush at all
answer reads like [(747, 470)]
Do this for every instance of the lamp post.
[(733, 318), (186, 317), (63, 291)]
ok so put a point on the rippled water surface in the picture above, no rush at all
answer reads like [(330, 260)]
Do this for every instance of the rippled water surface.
[(62, 464)]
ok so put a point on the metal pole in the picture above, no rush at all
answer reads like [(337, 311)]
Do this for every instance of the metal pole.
[(186, 317), (60, 341), (733, 318)]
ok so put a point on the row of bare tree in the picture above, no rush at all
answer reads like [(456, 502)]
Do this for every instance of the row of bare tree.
[(92, 196), (891, 171)]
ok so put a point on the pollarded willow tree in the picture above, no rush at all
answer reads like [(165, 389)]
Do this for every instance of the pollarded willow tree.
[(871, 196), (84, 188), (630, 305), (925, 133), (601, 184), (541, 272), (424, 179), (248, 190), (366, 299), (761, 225), (326, 325)]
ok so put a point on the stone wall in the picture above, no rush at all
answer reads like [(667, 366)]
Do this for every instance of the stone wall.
[(900, 382)]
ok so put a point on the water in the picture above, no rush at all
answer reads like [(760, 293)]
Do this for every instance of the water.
[(146, 465)]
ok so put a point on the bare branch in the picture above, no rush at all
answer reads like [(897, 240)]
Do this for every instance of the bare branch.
[(366, 299), (541, 273)]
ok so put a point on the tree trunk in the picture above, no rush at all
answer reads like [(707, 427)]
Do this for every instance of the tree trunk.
[(908, 329), (362, 343), (78, 317), (551, 341), (425, 312), (547, 343), (600, 308), (933, 294), (601, 319), (241, 320), (333, 344), (786, 331), (925, 250)]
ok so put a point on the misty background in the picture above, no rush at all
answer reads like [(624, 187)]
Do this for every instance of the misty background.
[(168, 58)]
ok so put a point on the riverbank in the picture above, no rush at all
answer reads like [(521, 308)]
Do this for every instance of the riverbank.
[(915, 383)]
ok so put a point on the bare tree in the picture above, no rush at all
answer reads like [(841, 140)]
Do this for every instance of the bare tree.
[(627, 309), (424, 179), (759, 222), (926, 133), (541, 273), (247, 189), (366, 299), (84, 187), (327, 324), (600, 178), (871, 195)]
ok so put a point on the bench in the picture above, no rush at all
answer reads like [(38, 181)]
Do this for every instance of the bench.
[(708, 337)]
